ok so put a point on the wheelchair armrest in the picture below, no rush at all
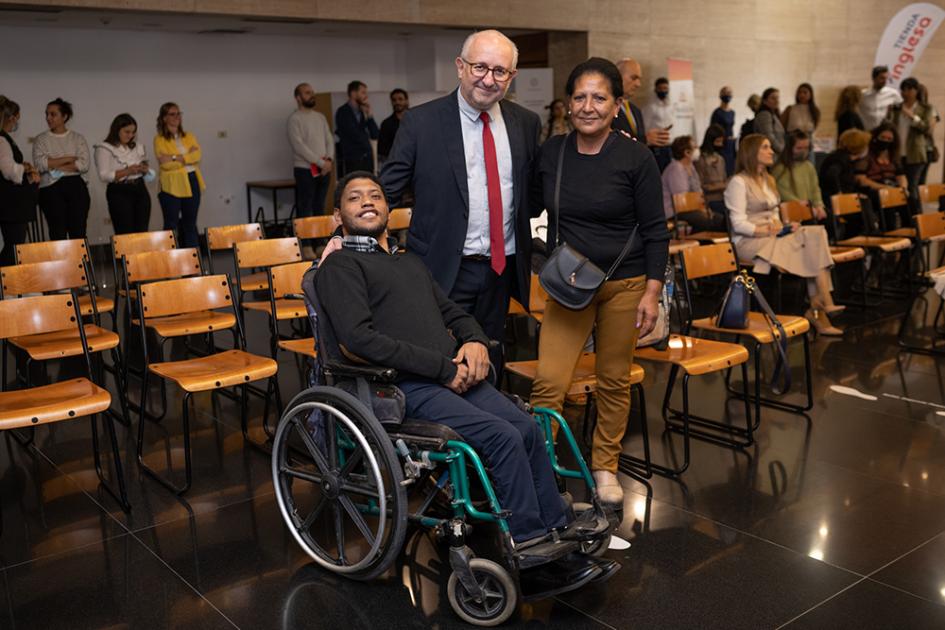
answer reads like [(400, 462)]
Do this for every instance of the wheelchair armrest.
[(370, 372)]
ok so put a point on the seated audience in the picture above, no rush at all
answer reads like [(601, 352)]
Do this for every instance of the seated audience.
[(559, 123), (680, 176), (882, 168), (122, 164), (913, 121), (768, 120), (712, 167), (18, 184), (796, 176), (838, 176), (62, 158), (847, 112), (760, 236)]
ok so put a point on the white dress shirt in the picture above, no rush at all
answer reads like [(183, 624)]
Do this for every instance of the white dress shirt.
[(9, 169), (875, 104), (659, 114), (477, 229), (109, 159)]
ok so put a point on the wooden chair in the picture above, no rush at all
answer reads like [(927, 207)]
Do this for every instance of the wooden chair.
[(285, 283), (314, 227), (690, 202), (849, 204), (65, 400), (399, 219), (76, 249), (225, 236), (800, 212), (719, 260), (230, 368), (136, 243), (932, 194), (894, 197), (930, 227)]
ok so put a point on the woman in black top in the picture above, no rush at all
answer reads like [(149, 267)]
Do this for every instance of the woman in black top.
[(847, 111), (609, 184), (838, 176), (18, 185)]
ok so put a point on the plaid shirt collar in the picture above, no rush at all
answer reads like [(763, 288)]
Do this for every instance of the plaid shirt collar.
[(367, 244)]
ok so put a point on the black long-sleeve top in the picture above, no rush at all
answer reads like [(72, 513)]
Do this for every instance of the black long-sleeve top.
[(385, 139), (387, 310), (603, 197), (355, 132)]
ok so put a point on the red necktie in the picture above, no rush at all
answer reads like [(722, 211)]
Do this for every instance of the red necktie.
[(496, 222)]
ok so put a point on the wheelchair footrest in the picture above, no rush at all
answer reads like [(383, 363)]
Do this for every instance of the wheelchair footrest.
[(544, 552), (569, 574)]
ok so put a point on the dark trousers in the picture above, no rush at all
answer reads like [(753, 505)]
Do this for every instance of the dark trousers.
[(13, 234), (180, 213), (663, 155), (913, 175), (65, 205), (509, 441), (485, 296), (700, 221), (129, 206), (310, 193)]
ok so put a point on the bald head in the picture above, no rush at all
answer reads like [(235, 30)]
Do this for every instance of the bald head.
[(483, 55), (631, 74), (492, 40)]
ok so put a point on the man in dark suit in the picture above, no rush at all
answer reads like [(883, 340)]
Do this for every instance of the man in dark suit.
[(355, 128), (630, 118), (467, 158)]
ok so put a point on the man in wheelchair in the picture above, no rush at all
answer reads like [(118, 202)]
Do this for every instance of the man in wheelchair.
[(385, 309)]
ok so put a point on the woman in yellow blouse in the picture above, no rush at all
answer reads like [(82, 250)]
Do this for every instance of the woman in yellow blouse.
[(178, 153)]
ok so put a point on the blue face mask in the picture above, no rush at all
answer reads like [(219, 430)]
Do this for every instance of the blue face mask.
[(150, 176), (55, 173), (661, 94), (726, 98)]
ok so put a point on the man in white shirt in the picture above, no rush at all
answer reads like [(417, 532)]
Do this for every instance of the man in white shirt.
[(313, 152), (877, 99), (659, 114)]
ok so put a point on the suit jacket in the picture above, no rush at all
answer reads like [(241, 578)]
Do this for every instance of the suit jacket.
[(354, 136), (620, 123), (428, 156)]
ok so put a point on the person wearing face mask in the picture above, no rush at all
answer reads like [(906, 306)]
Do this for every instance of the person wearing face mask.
[(796, 176), (913, 120), (62, 158), (760, 236), (724, 116), (768, 121), (712, 168), (660, 114), (18, 184), (681, 176), (467, 157), (882, 168), (122, 164), (838, 176), (610, 184)]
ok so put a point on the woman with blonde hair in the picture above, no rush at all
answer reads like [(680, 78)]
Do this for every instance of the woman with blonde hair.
[(753, 203), (178, 153), (847, 113)]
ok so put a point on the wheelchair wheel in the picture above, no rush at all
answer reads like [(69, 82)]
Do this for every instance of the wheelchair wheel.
[(338, 483), (500, 595)]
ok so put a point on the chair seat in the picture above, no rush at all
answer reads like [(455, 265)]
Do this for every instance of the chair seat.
[(103, 304), (846, 254), (65, 343), (696, 356), (515, 308), (584, 379), (677, 246), (51, 403), (884, 243), (299, 346), (190, 323), (707, 237), (223, 369), (906, 232), (285, 309), (255, 281), (758, 326)]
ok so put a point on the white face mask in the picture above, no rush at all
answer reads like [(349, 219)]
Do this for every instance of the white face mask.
[(695, 154)]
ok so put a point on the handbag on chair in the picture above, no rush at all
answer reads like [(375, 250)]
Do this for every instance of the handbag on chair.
[(734, 313), (568, 276)]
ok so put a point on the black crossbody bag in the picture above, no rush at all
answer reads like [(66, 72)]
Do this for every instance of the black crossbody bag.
[(568, 276)]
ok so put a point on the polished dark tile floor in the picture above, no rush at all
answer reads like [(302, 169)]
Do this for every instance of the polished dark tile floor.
[(834, 520)]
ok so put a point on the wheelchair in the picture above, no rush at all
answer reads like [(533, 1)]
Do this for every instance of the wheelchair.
[(348, 485)]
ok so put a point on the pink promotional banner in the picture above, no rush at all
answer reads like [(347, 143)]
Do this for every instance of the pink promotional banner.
[(683, 94), (905, 38)]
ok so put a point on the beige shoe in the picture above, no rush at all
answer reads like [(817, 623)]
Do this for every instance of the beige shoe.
[(609, 490), (821, 323)]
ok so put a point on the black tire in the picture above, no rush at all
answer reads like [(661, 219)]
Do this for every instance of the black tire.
[(322, 492), (501, 595)]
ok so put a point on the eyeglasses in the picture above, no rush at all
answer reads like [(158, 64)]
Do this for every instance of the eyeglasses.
[(173, 114), (480, 70)]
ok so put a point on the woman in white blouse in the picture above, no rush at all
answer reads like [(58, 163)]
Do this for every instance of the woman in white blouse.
[(122, 164), (759, 235), (62, 158), (18, 180)]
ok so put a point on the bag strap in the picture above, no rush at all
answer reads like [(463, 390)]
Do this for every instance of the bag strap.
[(557, 206), (782, 369)]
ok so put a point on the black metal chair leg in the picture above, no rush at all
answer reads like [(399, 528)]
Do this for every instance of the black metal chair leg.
[(122, 495), (188, 469)]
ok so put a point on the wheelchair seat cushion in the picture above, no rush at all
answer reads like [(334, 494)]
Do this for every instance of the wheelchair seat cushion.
[(423, 433)]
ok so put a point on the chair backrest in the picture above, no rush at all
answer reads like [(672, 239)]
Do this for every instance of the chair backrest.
[(70, 249), (709, 260), (224, 236), (161, 265), (140, 242), (287, 279), (185, 295), (267, 252), (688, 201), (37, 314), (930, 225), (930, 193), (314, 227), (847, 203), (43, 277), (797, 211), (892, 197), (399, 219)]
